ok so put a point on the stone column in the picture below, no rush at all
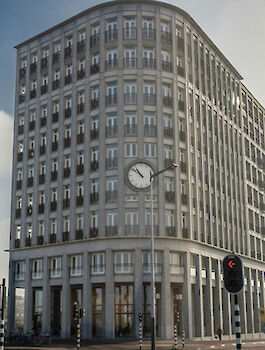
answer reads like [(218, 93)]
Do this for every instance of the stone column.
[(109, 297), (250, 316), (28, 299), (46, 312), (66, 299), (187, 298), (209, 300), (199, 324), (166, 299), (226, 314), (242, 307), (138, 289), (11, 298), (256, 303), (218, 315), (87, 293)]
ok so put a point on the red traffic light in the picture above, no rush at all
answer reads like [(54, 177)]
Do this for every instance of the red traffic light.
[(231, 264)]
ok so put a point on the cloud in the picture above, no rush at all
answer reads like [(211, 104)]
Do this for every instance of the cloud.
[(6, 142)]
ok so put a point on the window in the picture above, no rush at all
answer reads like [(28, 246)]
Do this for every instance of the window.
[(66, 224), (176, 263), (112, 218), (53, 226), (56, 267), (123, 262), (111, 124), (76, 265), (97, 263), (149, 124), (37, 269), (18, 232), (130, 126), (79, 221), (169, 218), (20, 270), (130, 92), (150, 150), (94, 219), (130, 58), (146, 259), (131, 150), (41, 228)]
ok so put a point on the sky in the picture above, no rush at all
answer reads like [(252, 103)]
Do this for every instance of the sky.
[(237, 27)]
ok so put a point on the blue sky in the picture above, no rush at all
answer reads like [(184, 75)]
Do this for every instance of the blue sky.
[(237, 27)]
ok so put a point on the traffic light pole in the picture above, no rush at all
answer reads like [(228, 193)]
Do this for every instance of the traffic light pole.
[(237, 324), (2, 321)]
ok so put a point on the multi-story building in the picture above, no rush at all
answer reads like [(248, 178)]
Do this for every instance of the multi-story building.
[(122, 82)]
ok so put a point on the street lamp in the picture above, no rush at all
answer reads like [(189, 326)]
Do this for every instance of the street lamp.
[(153, 320)]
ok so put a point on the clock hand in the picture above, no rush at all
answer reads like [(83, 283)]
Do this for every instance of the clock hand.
[(138, 172)]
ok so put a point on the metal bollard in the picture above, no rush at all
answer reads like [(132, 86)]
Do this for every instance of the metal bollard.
[(2, 331), (175, 337)]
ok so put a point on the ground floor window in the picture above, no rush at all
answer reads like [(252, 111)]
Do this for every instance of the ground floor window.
[(124, 310), (56, 310), (37, 310), (19, 308), (97, 311), (147, 326), (176, 292)]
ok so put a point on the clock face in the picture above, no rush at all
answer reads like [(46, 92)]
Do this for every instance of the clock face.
[(139, 175)]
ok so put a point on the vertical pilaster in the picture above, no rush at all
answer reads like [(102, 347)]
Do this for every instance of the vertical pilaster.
[(187, 298), (28, 299), (87, 299), (46, 313), (199, 323), (209, 300), (109, 299), (66, 300), (166, 310)]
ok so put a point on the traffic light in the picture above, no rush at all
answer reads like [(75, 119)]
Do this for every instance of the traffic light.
[(140, 317), (233, 273), (76, 310)]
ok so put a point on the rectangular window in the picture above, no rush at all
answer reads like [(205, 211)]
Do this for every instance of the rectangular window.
[(97, 263), (37, 269), (131, 150), (56, 267), (76, 265), (123, 262), (150, 150)]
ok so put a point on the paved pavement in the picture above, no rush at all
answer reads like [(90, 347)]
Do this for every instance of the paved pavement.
[(161, 345)]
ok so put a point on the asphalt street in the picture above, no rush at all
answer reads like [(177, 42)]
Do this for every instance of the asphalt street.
[(161, 345)]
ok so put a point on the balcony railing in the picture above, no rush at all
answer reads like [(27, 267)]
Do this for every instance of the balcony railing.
[(36, 274), (167, 101), (55, 117), (53, 205), (66, 172), (43, 121), (93, 232), (52, 238), (170, 196), (94, 68), (111, 196), (54, 146), (56, 57), (150, 130), (171, 231), (32, 93), (111, 64), (79, 234), (81, 73), (18, 213), (22, 73), (56, 84), (20, 129), (111, 35), (44, 62), (97, 269), (21, 98), (56, 273), (79, 200), (75, 271), (111, 131), (123, 268), (80, 169), (168, 132), (94, 103), (166, 37), (67, 112), (149, 99), (94, 165), (111, 100), (157, 268), (130, 129), (80, 108), (42, 149), (149, 63), (148, 34), (130, 33), (131, 230), (166, 66), (94, 40), (68, 52), (67, 142), (33, 68), (81, 45), (28, 242), (68, 79), (111, 163), (20, 156), (148, 230), (19, 184), (130, 99), (111, 231), (66, 236), (80, 138), (94, 134), (17, 243), (130, 62), (40, 240), (168, 162), (54, 175)]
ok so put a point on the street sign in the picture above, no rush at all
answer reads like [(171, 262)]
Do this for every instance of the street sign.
[(233, 273)]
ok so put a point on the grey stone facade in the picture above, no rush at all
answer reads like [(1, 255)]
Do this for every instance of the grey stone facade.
[(120, 82)]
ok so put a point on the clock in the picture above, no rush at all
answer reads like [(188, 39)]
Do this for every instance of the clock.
[(139, 175)]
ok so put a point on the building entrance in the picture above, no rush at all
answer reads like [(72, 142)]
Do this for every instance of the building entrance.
[(124, 311), (56, 310)]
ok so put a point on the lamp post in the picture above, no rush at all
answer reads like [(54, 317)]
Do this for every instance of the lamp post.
[(153, 319)]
